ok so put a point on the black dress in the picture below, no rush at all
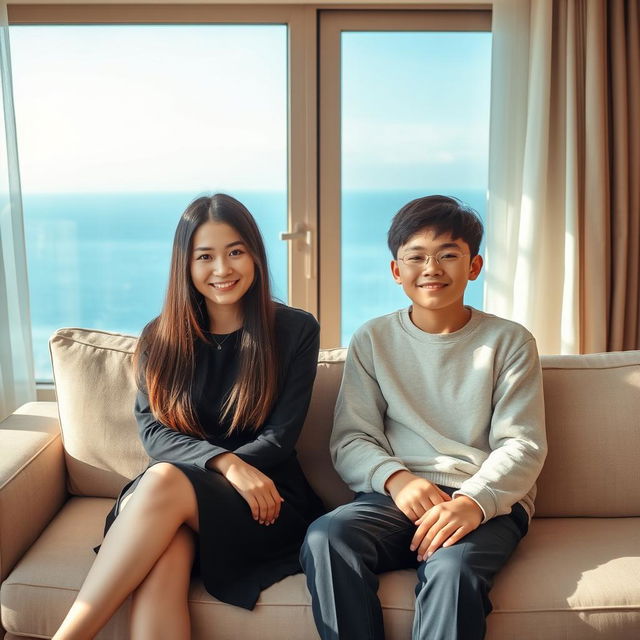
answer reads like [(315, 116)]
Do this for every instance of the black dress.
[(236, 556)]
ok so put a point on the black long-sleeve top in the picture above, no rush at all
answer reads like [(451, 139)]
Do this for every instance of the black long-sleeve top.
[(297, 338)]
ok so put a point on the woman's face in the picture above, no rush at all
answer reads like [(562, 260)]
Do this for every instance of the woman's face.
[(222, 269)]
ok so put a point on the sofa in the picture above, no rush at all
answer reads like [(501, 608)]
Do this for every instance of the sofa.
[(575, 576)]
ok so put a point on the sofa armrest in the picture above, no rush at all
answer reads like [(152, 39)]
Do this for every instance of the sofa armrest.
[(32, 478)]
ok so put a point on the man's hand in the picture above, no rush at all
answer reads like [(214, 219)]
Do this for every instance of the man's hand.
[(445, 524), (414, 496)]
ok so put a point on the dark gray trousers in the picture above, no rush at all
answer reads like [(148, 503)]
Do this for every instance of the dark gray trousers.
[(345, 549)]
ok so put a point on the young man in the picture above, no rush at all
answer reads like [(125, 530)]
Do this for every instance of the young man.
[(439, 428)]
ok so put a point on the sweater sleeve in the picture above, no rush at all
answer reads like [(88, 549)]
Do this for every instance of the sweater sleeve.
[(165, 444), (517, 436), (277, 437), (360, 450)]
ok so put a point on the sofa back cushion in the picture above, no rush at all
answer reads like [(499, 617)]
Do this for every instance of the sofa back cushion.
[(592, 406), (313, 445), (95, 390)]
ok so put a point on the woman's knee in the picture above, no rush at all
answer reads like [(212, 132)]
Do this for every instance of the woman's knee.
[(165, 487)]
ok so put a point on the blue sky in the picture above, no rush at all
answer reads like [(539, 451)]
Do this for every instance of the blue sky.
[(192, 108), (415, 109)]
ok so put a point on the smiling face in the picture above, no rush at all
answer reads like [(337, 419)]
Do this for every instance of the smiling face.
[(436, 290), (222, 269)]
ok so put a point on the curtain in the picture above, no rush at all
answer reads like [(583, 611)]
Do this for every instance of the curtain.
[(562, 233), (623, 20), (17, 384)]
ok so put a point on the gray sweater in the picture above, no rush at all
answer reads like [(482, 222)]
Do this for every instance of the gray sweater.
[(463, 409)]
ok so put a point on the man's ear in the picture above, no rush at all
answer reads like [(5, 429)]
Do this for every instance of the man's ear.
[(475, 267), (395, 271)]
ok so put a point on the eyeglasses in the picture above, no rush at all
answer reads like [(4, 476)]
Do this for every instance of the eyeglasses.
[(445, 257)]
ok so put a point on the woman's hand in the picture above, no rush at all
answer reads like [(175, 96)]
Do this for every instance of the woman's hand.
[(254, 486), (414, 496)]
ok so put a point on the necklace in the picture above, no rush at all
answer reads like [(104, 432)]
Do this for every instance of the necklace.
[(219, 344)]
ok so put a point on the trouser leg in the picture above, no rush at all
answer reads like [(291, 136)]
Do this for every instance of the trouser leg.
[(452, 595), (341, 555)]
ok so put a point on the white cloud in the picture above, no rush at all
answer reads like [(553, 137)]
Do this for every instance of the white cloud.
[(140, 109), (404, 155)]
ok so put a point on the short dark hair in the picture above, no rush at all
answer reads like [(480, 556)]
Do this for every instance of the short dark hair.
[(440, 213)]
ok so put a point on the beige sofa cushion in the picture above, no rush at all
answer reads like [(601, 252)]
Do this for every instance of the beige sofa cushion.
[(592, 408), (31, 464), (570, 578), (313, 445), (96, 390)]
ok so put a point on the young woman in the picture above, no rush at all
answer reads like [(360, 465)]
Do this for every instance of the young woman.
[(225, 377)]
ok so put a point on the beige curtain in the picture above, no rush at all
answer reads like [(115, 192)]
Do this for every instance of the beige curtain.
[(564, 206)]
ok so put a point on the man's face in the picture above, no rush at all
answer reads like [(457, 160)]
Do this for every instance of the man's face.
[(435, 284)]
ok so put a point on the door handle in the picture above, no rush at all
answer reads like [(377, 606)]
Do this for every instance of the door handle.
[(303, 237), (297, 235)]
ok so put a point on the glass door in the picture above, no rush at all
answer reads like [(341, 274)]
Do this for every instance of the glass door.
[(404, 112)]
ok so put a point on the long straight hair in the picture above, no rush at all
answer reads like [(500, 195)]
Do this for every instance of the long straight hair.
[(165, 356)]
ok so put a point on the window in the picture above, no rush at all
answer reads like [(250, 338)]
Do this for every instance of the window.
[(119, 127), (323, 122)]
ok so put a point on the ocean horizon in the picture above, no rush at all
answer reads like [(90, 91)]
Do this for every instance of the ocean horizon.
[(101, 261)]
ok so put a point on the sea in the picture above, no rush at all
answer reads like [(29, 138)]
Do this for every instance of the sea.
[(101, 260)]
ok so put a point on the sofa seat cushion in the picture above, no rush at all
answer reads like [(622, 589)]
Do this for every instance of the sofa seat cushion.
[(570, 578), (39, 591), (37, 594), (576, 575)]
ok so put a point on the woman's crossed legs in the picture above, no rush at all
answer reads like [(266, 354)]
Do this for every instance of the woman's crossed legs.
[(148, 550)]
